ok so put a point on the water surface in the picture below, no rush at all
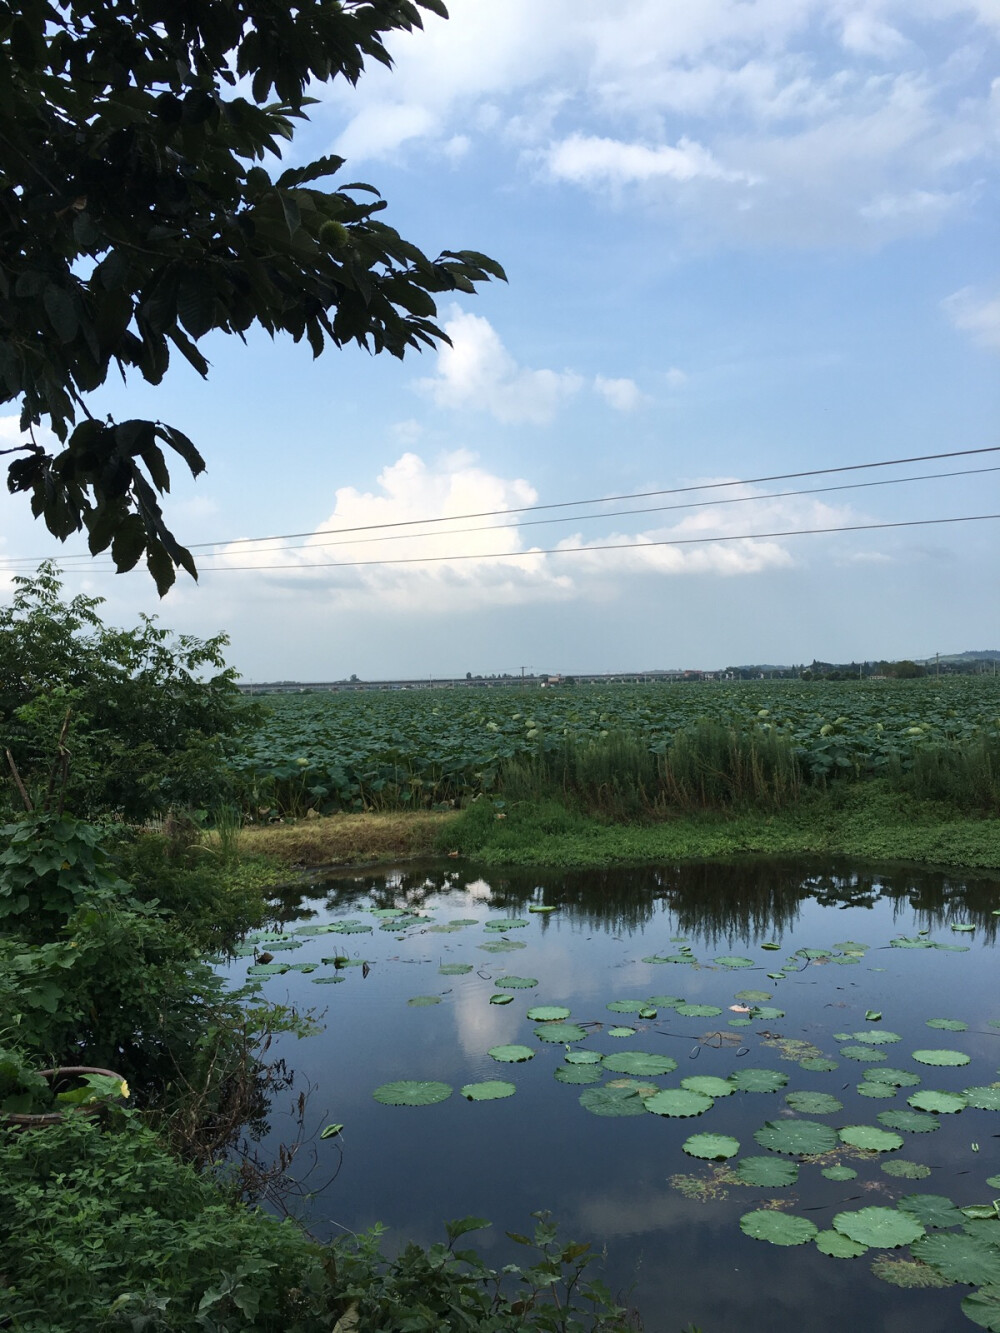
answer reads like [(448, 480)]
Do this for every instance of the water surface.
[(669, 1223)]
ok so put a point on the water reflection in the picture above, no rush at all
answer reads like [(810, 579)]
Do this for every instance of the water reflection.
[(752, 900)]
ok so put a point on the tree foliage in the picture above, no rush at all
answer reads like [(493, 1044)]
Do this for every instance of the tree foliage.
[(149, 713), (136, 217)]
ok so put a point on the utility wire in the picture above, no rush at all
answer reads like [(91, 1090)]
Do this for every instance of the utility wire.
[(491, 513), (612, 546), (616, 513)]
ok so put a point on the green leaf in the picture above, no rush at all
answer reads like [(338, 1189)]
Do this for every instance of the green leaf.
[(899, 1078), (870, 1139), (837, 1246), (621, 1032), (839, 1173), (331, 1131), (960, 1258), (548, 1013), (709, 1084), (516, 983), (934, 1211), (982, 1307), (579, 1074), (511, 1055), (947, 1024), (560, 1033), (813, 1103), (423, 1001), (758, 1080), (501, 999), (806, 1138), (942, 1058), (710, 1147), (454, 969), (582, 1058), (638, 1062), (910, 1122), (984, 1099), (905, 1170), (861, 1053), (608, 1101), (766, 1172), (777, 1228), (679, 1102), (943, 1103), (490, 1090), (410, 1092), (698, 1010), (879, 1228), (733, 961)]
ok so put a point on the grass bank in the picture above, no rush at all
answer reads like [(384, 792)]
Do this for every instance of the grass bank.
[(869, 822)]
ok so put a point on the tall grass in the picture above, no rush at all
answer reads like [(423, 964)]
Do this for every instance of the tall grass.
[(705, 767), (967, 775)]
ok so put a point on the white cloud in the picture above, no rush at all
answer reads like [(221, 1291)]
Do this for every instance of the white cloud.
[(458, 564), (676, 378), (623, 395), (858, 120), (594, 161), (976, 314), (477, 373)]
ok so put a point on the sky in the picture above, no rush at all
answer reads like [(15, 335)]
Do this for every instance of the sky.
[(744, 239)]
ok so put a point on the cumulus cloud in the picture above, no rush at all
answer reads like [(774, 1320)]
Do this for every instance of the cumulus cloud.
[(975, 313), (478, 373), (377, 552)]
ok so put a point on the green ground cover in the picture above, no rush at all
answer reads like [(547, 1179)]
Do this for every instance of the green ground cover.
[(328, 751)]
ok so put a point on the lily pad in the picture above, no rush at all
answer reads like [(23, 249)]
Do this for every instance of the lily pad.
[(560, 1032), (542, 907), (876, 1037), (410, 1092), (627, 1006), (698, 1010), (879, 1228), (871, 1139), (813, 1103), (909, 1122), (679, 1102), (511, 1055), (638, 1062), (454, 969), (582, 1058), (984, 1099), (934, 1211), (502, 946), (874, 1090), (942, 1058), (731, 960), (709, 1084), (944, 1103), (838, 1246), (548, 1013), (490, 1090), (802, 1138), (579, 1074), (948, 1024), (767, 1013), (839, 1173), (516, 983), (983, 1308), (621, 1032), (505, 923), (899, 1078), (710, 1147), (501, 999), (766, 1172), (610, 1101), (818, 1064), (960, 1258), (861, 1053), (327, 981), (778, 1228), (758, 1080), (423, 1001)]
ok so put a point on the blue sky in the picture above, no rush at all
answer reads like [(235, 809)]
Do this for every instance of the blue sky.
[(744, 238)]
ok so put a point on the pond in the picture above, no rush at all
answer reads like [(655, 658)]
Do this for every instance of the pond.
[(765, 1089)]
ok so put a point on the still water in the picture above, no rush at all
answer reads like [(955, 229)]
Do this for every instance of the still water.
[(669, 1223)]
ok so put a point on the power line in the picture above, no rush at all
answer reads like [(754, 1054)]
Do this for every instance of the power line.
[(610, 499), (567, 504), (613, 546), (623, 513)]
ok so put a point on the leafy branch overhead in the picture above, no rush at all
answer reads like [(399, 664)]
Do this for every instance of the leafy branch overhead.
[(136, 217)]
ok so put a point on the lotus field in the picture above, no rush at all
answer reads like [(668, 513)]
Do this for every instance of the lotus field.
[(420, 748)]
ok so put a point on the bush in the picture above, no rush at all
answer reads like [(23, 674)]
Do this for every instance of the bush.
[(148, 717)]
